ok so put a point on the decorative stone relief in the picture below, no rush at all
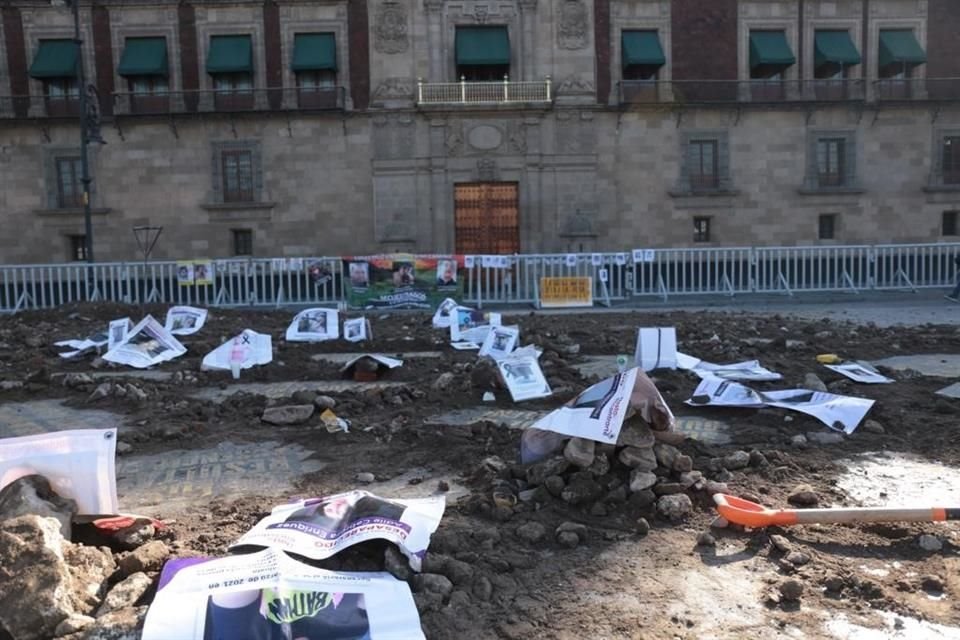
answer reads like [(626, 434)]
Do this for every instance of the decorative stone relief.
[(485, 137), (572, 32), (390, 28), (394, 88), (487, 170), (575, 85), (454, 139), (481, 13), (516, 135)]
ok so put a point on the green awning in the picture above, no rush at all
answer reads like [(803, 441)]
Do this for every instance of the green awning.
[(770, 48), (314, 52), (482, 46), (834, 47), (55, 59), (641, 48), (900, 46), (144, 57), (230, 54)]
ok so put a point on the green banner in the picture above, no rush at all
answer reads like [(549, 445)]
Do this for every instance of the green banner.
[(402, 281)]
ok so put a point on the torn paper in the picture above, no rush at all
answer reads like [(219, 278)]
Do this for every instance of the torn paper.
[(146, 345), (747, 370), (656, 348), (118, 331), (441, 319), (860, 372), (382, 361), (96, 341), (185, 321), (247, 349), (314, 325)]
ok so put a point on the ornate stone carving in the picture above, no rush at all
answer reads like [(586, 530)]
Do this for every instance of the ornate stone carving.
[(481, 13), (572, 32), (487, 170), (454, 141), (516, 135), (575, 85), (390, 28), (394, 88)]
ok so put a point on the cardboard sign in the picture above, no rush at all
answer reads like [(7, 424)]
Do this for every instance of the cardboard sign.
[(566, 292)]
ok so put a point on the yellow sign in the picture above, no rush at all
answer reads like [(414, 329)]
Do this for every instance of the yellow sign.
[(566, 292)]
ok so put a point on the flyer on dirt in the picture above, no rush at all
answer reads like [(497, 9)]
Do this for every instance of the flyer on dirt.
[(314, 325), (321, 527), (500, 342), (860, 372), (185, 321), (146, 345), (402, 281), (269, 595), (471, 325), (441, 318), (79, 465), (95, 341), (747, 370), (248, 349), (522, 374), (656, 348), (357, 330)]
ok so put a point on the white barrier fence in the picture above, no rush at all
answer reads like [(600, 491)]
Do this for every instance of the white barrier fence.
[(514, 279)]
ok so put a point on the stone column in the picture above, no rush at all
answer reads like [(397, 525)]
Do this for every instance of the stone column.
[(528, 48), (441, 228), (434, 11)]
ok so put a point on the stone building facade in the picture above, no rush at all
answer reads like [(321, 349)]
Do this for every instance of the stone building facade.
[(306, 128)]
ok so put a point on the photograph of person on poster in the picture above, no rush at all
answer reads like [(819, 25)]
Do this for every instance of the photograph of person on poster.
[(270, 614), (359, 275), (338, 513), (313, 323), (446, 273), (403, 275)]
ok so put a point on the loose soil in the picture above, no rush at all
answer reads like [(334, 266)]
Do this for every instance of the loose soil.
[(617, 583)]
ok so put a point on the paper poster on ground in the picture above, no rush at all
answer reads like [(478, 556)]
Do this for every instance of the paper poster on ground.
[(314, 325), (245, 350), (118, 331), (389, 363), (860, 372), (465, 319), (268, 595), (441, 319), (500, 342), (147, 344), (320, 527), (96, 341), (656, 348), (79, 465), (522, 374), (842, 413), (357, 330), (747, 370), (185, 321)]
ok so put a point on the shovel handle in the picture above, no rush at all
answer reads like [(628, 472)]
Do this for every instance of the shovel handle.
[(755, 516)]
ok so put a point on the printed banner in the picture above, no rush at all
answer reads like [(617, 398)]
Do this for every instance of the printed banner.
[(321, 527), (185, 321), (269, 595), (566, 292), (78, 464), (402, 281), (147, 344), (314, 325)]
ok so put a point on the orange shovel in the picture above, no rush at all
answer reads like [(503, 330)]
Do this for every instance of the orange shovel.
[(756, 516)]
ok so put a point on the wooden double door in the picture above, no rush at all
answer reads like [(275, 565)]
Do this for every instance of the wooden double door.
[(487, 218)]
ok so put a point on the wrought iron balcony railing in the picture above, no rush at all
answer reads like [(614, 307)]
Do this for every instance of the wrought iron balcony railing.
[(484, 93), (889, 89), (739, 91), (178, 102)]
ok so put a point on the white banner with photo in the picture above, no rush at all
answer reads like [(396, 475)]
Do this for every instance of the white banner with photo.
[(860, 372), (146, 345), (841, 413), (357, 330), (185, 321), (246, 350), (522, 374), (321, 527), (747, 370), (269, 595), (500, 342), (79, 465), (314, 325)]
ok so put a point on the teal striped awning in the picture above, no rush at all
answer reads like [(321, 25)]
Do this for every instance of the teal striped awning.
[(55, 59)]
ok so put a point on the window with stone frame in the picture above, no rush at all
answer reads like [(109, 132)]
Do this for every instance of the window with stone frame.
[(77, 246), (831, 155), (950, 160), (242, 242), (702, 155), (701, 229), (705, 166), (69, 182), (237, 172), (948, 223), (827, 226), (831, 161), (61, 96)]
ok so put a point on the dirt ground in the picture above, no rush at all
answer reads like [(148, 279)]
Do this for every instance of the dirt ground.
[(620, 581)]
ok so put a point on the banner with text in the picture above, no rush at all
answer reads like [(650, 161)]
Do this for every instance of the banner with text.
[(401, 281)]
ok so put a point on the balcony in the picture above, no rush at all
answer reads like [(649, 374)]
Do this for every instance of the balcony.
[(465, 93), (916, 89), (707, 92)]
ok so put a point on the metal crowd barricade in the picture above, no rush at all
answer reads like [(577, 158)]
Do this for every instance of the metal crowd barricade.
[(708, 271), (915, 266), (810, 269)]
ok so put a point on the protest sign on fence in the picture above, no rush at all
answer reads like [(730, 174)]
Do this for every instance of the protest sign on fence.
[(566, 292), (321, 527), (269, 595), (401, 281)]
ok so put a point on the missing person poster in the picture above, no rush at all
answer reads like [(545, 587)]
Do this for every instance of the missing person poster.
[(402, 281), (270, 595), (145, 345), (314, 325), (320, 527), (185, 321)]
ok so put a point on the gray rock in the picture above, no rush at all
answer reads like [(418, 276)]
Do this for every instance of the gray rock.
[(691, 478), (640, 459), (531, 532), (795, 344), (123, 624), (666, 454), (757, 459), (555, 485), (396, 563), (44, 579), (706, 539), (32, 495), (137, 534), (791, 590), (736, 460), (482, 589), (74, 380), (433, 583), (149, 557), (581, 488), (579, 452), (682, 463), (72, 624), (540, 471), (932, 582), (124, 447), (102, 391), (825, 437), (303, 396), (928, 542), (642, 526), (10, 385), (872, 426), (719, 523), (640, 480), (324, 402), (459, 572), (799, 441), (568, 539), (572, 527), (600, 466), (365, 477), (125, 593), (675, 507), (444, 382), (617, 495), (797, 558), (713, 487), (813, 382), (668, 488), (642, 499), (636, 433), (781, 544), (803, 495), (287, 415)]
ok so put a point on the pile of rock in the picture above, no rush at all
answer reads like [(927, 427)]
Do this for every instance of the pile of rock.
[(51, 587), (128, 390), (641, 473)]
